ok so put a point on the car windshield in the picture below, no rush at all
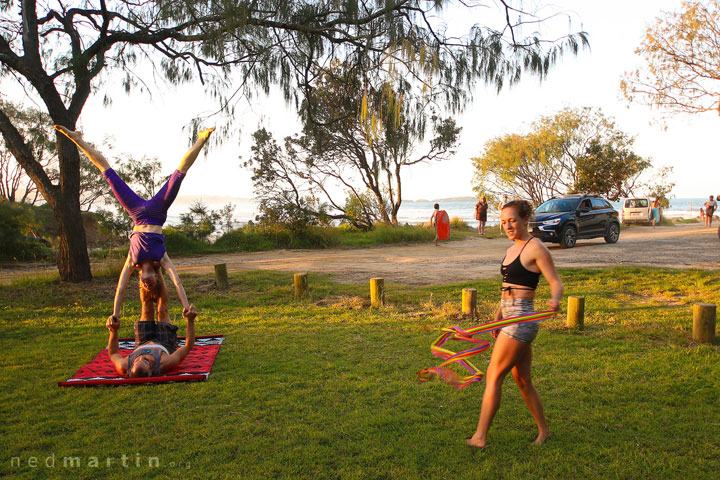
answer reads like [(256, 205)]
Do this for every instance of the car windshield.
[(636, 203), (558, 205)]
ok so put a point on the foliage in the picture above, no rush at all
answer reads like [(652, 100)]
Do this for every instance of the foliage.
[(660, 186), (225, 215), (362, 134), (610, 168), (681, 61), (15, 185), (575, 150), (18, 239), (199, 222), (60, 56), (457, 222), (180, 243), (329, 388)]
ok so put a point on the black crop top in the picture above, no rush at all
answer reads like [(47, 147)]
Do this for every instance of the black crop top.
[(517, 274)]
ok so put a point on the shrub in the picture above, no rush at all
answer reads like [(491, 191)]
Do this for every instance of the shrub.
[(177, 243), (17, 239), (457, 222)]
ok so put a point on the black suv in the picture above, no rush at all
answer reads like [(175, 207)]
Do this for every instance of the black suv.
[(565, 219)]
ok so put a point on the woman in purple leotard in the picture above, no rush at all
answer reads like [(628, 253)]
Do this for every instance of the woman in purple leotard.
[(147, 244)]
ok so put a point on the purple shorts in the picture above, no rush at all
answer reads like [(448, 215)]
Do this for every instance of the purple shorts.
[(145, 246)]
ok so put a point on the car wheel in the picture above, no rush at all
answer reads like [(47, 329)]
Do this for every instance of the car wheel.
[(613, 233), (568, 236)]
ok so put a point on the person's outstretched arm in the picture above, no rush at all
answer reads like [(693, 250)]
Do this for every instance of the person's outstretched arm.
[(169, 267), (118, 361), (193, 153), (179, 355), (121, 286), (91, 152), (547, 268)]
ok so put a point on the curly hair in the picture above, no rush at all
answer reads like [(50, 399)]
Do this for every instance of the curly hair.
[(522, 207)]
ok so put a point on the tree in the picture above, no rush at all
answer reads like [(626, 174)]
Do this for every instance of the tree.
[(349, 158), (62, 55), (660, 185), (199, 222), (681, 56), (225, 214), (576, 150), (15, 185)]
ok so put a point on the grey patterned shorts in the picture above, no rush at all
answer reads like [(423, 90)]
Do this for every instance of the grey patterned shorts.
[(515, 307), (162, 333)]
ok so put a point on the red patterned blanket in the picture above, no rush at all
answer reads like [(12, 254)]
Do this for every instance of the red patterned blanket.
[(195, 367)]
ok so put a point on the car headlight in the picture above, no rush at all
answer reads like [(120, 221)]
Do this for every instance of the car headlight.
[(554, 221)]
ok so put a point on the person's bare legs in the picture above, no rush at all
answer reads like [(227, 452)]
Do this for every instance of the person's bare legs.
[(522, 373), (193, 153), (506, 353), (91, 152)]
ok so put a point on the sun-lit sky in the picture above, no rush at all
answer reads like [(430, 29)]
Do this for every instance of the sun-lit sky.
[(153, 126)]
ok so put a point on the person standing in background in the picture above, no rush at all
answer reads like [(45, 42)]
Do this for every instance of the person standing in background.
[(655, 211), (710, 207), (481, 209), (500, 206), (433, 221)]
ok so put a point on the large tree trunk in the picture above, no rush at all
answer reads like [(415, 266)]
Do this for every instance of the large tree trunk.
[(72, 258)]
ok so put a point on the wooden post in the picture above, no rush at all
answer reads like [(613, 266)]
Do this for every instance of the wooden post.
[(704, 322), (469, 301), (576, 312), (300, 280), (377, 292), (221, 278)]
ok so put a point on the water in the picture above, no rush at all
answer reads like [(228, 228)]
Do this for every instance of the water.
[(419, 212)]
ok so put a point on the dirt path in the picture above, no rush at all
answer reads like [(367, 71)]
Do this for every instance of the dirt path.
[(679, 246)]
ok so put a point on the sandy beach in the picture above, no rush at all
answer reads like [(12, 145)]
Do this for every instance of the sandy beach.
[(677, 246)]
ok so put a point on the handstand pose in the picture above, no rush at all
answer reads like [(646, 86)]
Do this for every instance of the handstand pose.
[(147, 243), (156, 351)]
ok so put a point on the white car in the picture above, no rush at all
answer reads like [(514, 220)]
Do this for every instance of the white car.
[(637, 210)]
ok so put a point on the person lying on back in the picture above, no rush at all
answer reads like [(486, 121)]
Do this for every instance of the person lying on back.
[(156, 352)]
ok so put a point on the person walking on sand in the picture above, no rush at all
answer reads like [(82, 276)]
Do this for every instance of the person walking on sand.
[(655, 211), (147, 243), (512, 352), (434, 220), (710, 207), (481, 209), (500, 206)]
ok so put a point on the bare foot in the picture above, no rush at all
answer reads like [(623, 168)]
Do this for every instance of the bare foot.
[(74, 136), (542, 438), (475, 443), (205, 134)]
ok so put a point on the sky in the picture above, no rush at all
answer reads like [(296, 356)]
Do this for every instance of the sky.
[(153, 127)]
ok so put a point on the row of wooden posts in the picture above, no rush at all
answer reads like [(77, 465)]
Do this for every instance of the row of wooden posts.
[(704, 314)]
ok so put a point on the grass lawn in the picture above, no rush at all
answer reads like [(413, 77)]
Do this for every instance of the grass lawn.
[(326, 388)]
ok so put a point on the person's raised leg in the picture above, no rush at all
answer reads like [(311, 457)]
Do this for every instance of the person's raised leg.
[(91, 152), (505, 355), (193, 153), (522, 374)]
